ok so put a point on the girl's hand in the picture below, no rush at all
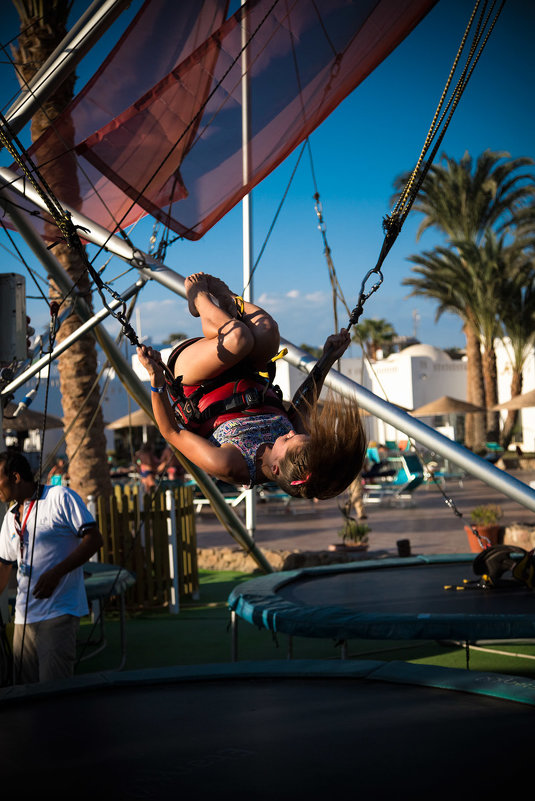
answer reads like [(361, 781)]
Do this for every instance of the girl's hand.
[(337, 344), (150, 359)]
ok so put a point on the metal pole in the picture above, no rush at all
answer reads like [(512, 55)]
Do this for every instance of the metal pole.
[(174, 605), (93, 232), (250, 498), (414, 428), (78, 41), (135, 386), (245, 149)]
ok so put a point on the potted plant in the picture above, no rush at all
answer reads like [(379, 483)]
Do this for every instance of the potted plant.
[(485, 522), (353, 533)]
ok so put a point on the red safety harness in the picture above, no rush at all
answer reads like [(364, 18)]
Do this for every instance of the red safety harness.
[(238, 392)]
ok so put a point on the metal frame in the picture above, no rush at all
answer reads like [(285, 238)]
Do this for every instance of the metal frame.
[(150, 268), (78, 41)]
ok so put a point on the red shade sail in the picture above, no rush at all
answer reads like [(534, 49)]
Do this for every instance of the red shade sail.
[(158, 130)]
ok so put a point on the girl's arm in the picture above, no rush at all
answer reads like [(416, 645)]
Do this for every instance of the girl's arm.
[(224, 463), (335, 346)]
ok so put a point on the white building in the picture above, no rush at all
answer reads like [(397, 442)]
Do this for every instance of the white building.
[(504, 370), (414, 376)]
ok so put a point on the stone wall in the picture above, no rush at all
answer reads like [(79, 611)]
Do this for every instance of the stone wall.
[(236, 559)]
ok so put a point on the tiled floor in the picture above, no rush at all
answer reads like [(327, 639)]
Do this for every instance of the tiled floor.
[(430, 525)]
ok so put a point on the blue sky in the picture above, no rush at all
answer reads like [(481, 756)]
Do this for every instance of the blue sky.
[(374, 135)]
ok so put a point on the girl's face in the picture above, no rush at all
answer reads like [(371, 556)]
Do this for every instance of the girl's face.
[(287, 443)]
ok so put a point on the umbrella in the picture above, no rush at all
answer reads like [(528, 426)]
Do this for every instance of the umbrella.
[(518, 401), (28, 419), (136, 418), (446, 405)]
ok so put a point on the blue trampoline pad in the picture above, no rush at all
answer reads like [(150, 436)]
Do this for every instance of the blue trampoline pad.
[(271, 731), (408, 590), (387, 599)]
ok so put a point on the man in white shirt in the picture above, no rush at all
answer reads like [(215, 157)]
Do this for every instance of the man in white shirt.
[(50, 534)]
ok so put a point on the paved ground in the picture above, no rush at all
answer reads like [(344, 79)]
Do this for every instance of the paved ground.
[(430, 524)]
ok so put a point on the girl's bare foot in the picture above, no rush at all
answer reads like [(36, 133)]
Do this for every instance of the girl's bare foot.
[(195, 283), (224, 296)]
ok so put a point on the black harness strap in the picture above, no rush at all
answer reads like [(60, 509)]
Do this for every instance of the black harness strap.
[(186, 407)]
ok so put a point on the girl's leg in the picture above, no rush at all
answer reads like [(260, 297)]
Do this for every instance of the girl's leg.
[(226, 341), (262, 326)]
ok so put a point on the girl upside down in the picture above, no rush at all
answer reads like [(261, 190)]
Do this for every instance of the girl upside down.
[(309, 452)]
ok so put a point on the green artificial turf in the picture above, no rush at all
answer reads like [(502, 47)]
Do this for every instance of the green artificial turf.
[(200, 633)]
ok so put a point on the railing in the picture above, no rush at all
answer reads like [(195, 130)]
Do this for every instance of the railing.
[(154, 537)]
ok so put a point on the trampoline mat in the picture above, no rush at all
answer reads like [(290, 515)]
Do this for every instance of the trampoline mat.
[(413, 590), (264, 739)]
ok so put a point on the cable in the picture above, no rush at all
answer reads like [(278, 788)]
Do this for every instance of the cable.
[(393, 223)]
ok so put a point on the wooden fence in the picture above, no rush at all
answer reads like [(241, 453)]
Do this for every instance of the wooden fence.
[(137, 530)]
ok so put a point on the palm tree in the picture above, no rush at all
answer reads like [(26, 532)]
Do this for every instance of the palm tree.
[(372, 335), (518, 318), (440, 274), (488, 268), (464, 200), (43, 26)]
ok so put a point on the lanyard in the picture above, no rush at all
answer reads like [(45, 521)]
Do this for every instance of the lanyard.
[(22, 529)]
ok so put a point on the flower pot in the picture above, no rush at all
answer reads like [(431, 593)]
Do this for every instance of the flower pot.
[(349, 546), (490, 533)]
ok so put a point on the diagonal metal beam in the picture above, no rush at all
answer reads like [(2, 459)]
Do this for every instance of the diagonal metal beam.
[(78, 41)]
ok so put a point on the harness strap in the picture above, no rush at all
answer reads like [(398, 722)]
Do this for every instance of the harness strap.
[(186, 407)]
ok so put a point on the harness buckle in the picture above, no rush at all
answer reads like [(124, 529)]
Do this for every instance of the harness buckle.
[(252, 397), (249, 399), (190, 410)]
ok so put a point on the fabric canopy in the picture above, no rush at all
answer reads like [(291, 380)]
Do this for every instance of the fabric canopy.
[(158, 129)]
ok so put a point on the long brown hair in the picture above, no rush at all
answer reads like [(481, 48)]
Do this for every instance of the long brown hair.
[(333, 456)]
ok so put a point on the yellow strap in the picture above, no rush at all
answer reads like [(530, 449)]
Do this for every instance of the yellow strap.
[(279, 355), (240, 303)]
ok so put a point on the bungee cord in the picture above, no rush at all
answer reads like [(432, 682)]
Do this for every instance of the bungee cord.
[(393, 222)]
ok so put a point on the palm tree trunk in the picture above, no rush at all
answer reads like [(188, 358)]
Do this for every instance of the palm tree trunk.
[(475, 423), (490, 376), (512, 414), (43, 26)]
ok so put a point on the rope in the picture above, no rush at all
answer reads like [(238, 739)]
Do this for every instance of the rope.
[(275, 218), (393, 223)]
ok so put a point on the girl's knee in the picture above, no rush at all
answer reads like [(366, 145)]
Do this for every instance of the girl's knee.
[(238, 339)]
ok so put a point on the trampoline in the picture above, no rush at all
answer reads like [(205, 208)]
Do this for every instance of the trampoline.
[(386, 599), (303, 729)]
